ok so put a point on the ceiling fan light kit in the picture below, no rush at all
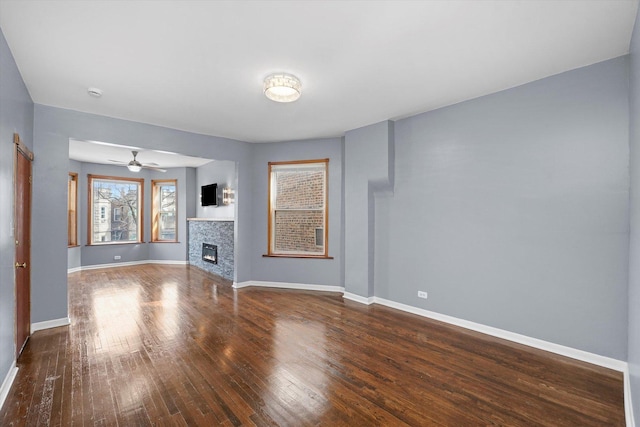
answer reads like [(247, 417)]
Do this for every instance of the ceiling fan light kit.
[(135, 166), (282, 87)]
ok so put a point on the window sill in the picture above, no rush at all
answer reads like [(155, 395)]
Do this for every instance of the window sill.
[(296, 256), (115, 244), (73, 246), (164, 241)]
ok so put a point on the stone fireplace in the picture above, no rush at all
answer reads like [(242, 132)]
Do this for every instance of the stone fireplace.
[(211, 245)]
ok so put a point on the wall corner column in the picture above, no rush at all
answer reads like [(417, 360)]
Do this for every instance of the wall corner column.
[(369, 155)]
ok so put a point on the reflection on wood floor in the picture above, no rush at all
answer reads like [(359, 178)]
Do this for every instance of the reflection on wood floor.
[(173, 345)]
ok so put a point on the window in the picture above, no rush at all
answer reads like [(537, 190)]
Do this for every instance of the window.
[(164, 210), (298, 209), (72, 209), (115, 214)]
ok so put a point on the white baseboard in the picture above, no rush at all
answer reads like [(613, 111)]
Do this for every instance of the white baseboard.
[(125, 264), (286, 285), (584, 356), (628, 402), (358, 298), (48, 324), (6, 384), (167, 262), (113, 264), (562, 350)]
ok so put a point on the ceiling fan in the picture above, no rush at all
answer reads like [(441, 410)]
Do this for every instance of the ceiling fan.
[(136, 166)]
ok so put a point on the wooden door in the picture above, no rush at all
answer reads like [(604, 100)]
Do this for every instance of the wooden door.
[(22, 233)]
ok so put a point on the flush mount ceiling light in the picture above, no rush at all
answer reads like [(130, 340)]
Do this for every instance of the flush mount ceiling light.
[(282, 87)]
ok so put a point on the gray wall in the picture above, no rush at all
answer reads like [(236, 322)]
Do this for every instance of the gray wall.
[(192, 193), (296, 270), (16, 116), (218, 172), (369, 166), (634, 253), (511, 210), (52, 129)]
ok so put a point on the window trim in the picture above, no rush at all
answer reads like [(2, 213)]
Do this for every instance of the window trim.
[(155, 212), (140, 182), (271, 211), (72, 231)]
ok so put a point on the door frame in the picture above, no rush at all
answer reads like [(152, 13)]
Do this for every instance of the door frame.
[(22, 150)]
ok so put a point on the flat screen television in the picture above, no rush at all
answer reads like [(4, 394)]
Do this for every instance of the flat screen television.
[(209, 195)]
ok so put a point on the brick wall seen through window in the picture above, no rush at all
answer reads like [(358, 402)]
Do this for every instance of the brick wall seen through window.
[(298, 214)]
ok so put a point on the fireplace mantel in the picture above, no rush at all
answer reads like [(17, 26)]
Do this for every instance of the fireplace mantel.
[(211, 219)]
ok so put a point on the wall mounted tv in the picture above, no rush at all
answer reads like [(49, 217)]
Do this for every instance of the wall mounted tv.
[(209, 195)]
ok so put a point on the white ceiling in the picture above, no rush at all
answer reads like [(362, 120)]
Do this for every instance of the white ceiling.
[(113, 154), (199, 65)]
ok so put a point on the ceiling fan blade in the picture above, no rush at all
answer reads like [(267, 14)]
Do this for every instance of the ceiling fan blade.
[(116, 161), (154, 168)]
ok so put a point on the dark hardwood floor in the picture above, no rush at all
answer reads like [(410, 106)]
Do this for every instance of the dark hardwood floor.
[(173, 345)]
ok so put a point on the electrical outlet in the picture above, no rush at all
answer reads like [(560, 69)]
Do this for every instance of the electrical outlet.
[(422, 294), (117, 257)]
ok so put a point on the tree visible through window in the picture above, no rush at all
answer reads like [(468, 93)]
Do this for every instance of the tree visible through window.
[(115, 209), (164, 210), (298, 208)]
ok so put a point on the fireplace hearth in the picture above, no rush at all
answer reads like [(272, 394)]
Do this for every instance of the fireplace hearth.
[(210, 253)]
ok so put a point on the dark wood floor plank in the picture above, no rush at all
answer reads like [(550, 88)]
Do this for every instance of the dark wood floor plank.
[(175, 346), (40, 384)]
